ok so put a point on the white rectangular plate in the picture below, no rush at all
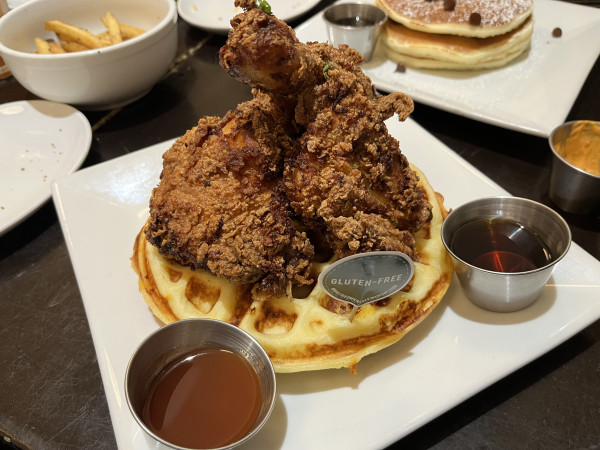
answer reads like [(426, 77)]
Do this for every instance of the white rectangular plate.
[(532, 95), (457, 351)]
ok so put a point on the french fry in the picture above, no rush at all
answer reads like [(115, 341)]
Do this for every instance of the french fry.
[(55, 47), (114, 29), (129, 31), (43, 47), (66, 39), (76, 39), (72, 33), (71, 47), (104, 37)]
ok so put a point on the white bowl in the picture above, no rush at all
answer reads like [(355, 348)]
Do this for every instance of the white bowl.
[(103, 78)]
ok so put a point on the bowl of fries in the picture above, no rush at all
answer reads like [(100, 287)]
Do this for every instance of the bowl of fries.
[(92, 54)]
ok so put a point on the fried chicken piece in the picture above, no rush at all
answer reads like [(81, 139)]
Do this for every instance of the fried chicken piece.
[(220, 204), (311, 146), (347, 176), (263, 51)]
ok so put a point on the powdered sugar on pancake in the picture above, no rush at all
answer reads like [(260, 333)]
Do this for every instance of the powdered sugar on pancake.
[(497, 16), (493, 12)]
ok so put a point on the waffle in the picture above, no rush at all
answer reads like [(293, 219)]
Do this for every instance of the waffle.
[(311, 331)]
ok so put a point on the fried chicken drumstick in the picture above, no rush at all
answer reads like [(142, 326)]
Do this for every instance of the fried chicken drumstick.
[(311, 150), (347, 175)]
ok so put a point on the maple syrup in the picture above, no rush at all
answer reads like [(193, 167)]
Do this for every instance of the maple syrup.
[(500, 245), (204, 399)]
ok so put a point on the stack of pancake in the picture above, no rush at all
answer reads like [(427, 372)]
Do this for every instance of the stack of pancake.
[(456, 34)]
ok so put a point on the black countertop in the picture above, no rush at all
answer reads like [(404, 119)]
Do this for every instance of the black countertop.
[(51, 393)]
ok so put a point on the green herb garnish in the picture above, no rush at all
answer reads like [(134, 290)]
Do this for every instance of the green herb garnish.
[(264, 6), (325, 69)]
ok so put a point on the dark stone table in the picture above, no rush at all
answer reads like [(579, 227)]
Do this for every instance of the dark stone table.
[(51, 393)]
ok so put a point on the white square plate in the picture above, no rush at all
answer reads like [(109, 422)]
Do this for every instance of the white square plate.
[(102, 208), (533, 94)]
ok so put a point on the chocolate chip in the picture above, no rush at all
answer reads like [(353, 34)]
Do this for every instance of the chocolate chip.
[(475, 19), (400, 68), (449, 5), (557, 32)]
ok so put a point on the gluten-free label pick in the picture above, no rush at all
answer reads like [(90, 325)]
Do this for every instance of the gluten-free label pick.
[(367, 277)]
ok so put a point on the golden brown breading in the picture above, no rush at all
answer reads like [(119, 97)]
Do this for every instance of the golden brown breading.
[(345, 163), (220, 205), (263, 51), (310, 151)]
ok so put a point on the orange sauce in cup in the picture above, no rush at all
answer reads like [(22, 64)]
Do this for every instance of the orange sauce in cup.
[(204, 399), (582, 147)]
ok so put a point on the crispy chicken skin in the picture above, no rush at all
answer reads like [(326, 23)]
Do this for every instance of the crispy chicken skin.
[(220, 204), (309, 152), (347, 176), (262, 51)]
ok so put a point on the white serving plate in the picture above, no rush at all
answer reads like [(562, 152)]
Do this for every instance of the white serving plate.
[(532, 95), (40, 141), (457, 351), (214, 15)]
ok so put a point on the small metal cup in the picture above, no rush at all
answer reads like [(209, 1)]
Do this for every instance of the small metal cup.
[(502, 291), (179, 338), (571, 188), (356, 25)]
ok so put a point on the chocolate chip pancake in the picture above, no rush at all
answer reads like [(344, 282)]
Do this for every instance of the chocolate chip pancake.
[(470, 18), (421, 50), (456, 34), (311, 331)]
